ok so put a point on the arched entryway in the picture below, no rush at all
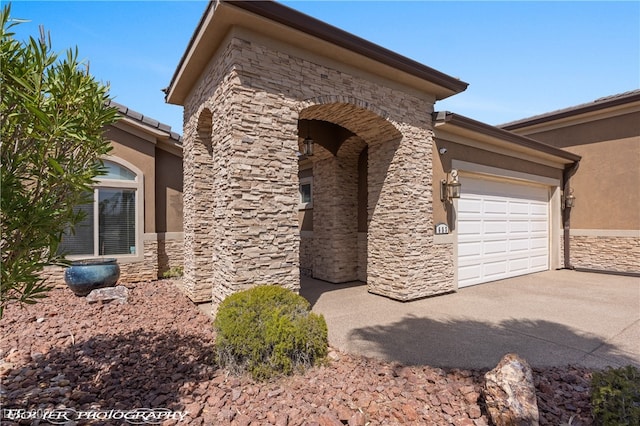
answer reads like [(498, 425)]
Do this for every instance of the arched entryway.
[(334, 231)]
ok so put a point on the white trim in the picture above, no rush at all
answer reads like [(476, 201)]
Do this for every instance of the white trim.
[(138, 185), (624, 233), (503, 148), (503, 173)]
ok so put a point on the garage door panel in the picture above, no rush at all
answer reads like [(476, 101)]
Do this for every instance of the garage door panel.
[(539, 209), (503, 230), (470, 206), (519, 208), (519, 266), (516, 245), (495, 207), (516, 226), (495, 227), (469, 227), (495, 270), (469, 273), (469, 249), (495, 247), (539, 263), (539, 243)]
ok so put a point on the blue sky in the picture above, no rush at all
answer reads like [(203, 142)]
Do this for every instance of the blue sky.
[(519, 58)]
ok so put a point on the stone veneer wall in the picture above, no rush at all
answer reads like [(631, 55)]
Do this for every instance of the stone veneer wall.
[(615, 254), (170, 253), (362, 256), (306, 253), (131, 272), (256, 92), (335, 214)]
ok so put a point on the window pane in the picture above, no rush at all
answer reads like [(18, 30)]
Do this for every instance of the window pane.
[(116, 171), (117, 221), (80, 242), (305, 193)]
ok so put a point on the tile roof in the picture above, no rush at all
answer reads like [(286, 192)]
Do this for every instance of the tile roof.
[(600, 103), (147, 121)]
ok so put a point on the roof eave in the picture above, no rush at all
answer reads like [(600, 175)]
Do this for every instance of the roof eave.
[(595, 106), (195, 57), (443, 118)]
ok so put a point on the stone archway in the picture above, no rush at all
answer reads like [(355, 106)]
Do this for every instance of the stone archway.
[(341, 185)]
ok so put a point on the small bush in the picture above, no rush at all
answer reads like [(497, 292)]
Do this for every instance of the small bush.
[(173, 272), (268, 331), (615, 396)]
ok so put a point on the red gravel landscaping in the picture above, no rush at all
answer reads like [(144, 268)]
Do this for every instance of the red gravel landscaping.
[(155, 352)]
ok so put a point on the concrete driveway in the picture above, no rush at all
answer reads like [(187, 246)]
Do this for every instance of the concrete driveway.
[(551, 318)]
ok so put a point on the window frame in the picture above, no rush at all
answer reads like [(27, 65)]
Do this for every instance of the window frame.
[(137, 184), (305, 205)]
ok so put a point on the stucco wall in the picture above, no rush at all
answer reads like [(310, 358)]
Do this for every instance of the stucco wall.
[(168, 207), (140, 152), (610, 150), (605, 224)]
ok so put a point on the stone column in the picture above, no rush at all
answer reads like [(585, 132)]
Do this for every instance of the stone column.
[(261, 233), (335, 214), (198, 193), (401, 255)]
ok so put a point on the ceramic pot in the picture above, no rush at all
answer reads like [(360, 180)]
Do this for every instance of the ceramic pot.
[(86, 275)]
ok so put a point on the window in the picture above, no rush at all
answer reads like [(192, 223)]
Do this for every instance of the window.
[(112, 223), (306, 193)]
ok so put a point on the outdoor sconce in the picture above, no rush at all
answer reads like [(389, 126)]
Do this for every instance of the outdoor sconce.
[(450, 190), (307, 144), (569, 200)]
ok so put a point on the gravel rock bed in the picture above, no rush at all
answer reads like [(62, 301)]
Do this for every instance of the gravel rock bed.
[(155, 352)]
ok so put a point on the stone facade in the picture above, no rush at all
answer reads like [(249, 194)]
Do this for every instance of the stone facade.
[(155, 262), (306, 253), (241, 176), (615, 254)]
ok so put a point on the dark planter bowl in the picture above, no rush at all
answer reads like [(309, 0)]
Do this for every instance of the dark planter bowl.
[(86, 275)]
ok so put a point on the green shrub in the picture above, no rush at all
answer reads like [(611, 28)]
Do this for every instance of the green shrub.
[(268, 331), (173, 272), (615, 396)]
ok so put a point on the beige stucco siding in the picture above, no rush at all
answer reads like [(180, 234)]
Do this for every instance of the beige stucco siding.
[(141, 153), (607, 181), (168, 192)]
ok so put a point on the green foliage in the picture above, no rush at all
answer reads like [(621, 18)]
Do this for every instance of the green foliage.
[(52, 115), (615, 396), (173, 272), (268, 331)]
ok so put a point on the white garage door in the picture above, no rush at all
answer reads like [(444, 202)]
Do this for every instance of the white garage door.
[(503, 230)]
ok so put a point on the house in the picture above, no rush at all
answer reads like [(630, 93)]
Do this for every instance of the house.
[(604, 228), (308, 150), (137, 213)]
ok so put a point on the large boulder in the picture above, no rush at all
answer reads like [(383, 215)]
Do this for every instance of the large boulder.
[(510, 393)]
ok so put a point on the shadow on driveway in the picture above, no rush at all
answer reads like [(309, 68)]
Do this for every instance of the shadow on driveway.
[(470, 343), (552, 318)]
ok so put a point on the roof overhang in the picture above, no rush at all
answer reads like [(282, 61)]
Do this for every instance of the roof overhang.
[(464, 130), (148, 129), (610, 106), (287, 25)]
